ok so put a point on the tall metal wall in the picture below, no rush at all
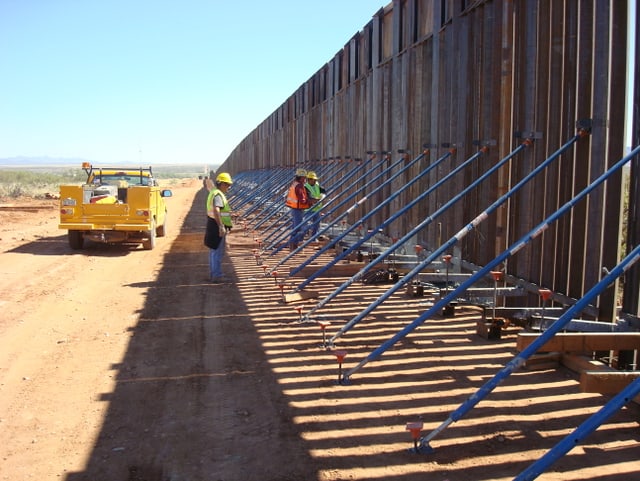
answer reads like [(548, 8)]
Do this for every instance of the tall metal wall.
[(469, 72), (631, 297)]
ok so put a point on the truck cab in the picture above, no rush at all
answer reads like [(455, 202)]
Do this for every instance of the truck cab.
[(114, 205)]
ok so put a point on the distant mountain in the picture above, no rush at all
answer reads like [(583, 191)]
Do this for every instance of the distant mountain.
[(44, 161), (56, 164), (40, 162)]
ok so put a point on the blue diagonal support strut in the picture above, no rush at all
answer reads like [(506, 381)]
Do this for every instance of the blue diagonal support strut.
[(457, 237), (370, 214), (452, 295), (532, 348), (329, 201), (279, 235), (581, 432), (558, 325), (355, 205), (428, 220)]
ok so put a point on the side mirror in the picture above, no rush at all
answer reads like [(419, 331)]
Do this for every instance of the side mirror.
[(166, 193)]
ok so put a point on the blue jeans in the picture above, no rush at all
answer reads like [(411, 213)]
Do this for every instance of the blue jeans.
[(215, 260), (297, 234), (314, 220)]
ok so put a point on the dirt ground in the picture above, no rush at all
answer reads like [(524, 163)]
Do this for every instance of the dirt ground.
[(123, 364)]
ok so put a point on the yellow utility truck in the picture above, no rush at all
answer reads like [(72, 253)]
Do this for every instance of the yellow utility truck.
[(114, 205)]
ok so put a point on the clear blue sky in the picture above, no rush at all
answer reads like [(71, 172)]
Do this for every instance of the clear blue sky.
[(156, 81)]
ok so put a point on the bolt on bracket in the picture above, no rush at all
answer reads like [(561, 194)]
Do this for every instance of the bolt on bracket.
[(485, 143), (528, 134)]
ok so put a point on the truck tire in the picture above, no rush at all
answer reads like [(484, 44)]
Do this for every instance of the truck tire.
[(161, 231), (150, 242), (76, 241)]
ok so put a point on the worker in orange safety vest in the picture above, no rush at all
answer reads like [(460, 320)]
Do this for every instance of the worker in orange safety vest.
[(298, 202)]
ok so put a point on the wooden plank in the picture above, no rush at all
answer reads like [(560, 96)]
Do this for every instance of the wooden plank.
[(300, 296), (539, 362), (596, 376), (582, 363), (25, 208), (583, 341), (338, 270), (606, 382)]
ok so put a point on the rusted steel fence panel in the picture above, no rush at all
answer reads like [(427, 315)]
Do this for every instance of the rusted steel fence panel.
[(467, 73), (631, 299)]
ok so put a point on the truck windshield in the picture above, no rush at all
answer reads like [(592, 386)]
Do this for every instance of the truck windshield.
[(119, 180)]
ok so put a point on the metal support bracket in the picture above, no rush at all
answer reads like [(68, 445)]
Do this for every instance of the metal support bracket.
[(528, 134), (485, 143), (585, 125)]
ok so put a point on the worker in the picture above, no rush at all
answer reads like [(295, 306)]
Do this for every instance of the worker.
[(298, 201), (218, 225), (315, 193)]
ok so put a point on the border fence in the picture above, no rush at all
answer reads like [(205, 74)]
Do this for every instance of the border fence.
[(462, 74)]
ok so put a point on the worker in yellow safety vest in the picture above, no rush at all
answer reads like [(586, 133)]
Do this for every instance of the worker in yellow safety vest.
[(218, 225), (316, 194)]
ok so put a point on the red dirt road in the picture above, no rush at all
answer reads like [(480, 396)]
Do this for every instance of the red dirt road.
[(124, 364)]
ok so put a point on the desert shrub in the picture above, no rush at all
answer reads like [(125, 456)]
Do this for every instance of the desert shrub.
[(21, 183), (37, 181)]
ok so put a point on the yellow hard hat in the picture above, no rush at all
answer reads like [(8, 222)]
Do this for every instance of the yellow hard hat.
[(224, 177), (312, 175), (301, 173)]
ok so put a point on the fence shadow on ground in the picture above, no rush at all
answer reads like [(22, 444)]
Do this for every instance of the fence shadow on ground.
[(222, 382)]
